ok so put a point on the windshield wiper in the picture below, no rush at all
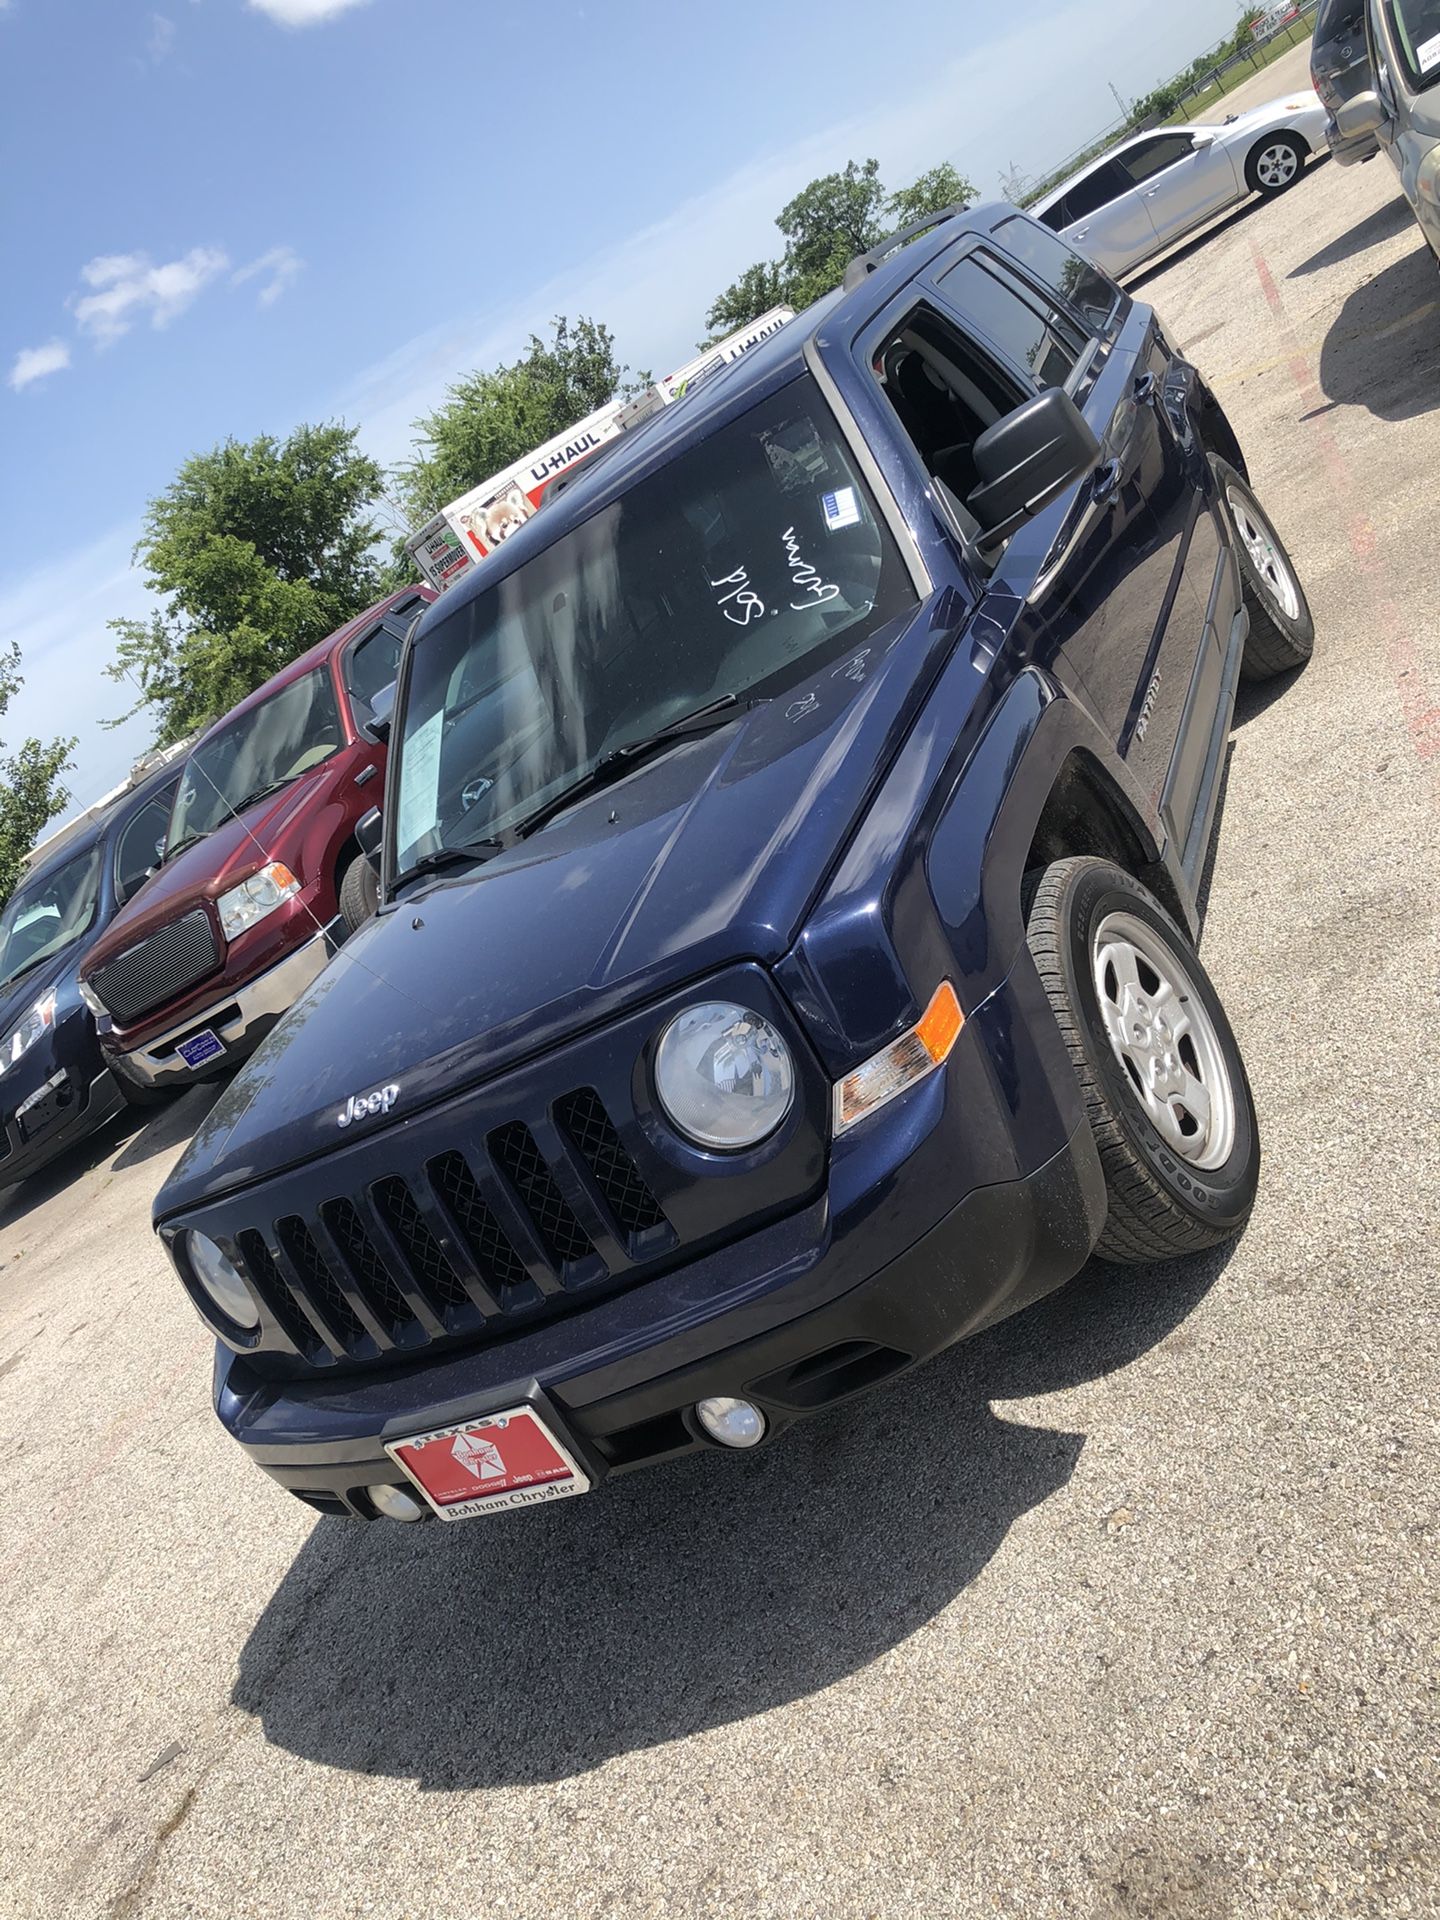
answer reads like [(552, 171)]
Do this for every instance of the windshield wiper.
[(262, 793), (617, 763), (30, 965), (179, 847), (473, 853)]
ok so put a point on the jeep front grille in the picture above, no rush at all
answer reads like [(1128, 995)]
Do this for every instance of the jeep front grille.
[(155, 969), (476, 1241)]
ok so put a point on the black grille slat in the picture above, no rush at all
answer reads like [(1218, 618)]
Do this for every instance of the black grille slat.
[(585, 1123), (158, 967), (521, 1161), (370, 1273), (325, 1292), (490, 1246), (276, 1292), (426, 1256)]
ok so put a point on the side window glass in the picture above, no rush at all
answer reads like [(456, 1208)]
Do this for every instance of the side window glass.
[(1154, 156), (1095, 191), (135, 851), (1038, 336), (945, 393), (1092, 293)]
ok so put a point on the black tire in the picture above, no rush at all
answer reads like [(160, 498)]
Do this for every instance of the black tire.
[(1161, 1204), (1261, 168), (359, 893), (143, 1099), (1282, 635)]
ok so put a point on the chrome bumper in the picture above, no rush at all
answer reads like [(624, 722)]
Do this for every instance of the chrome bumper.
[(241, 1019)]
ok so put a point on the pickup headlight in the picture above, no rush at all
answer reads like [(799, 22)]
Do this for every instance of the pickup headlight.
[(724, 1076), (37, 1021), (220, 1279), (242, 906)]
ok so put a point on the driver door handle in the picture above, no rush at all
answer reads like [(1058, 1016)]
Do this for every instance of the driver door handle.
[(1146, 387), (1106, 482)]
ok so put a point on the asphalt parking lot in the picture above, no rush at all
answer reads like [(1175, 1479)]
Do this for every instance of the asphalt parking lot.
[(1127, 1609)]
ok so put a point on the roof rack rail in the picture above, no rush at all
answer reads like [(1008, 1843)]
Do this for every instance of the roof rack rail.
[(865, 263)]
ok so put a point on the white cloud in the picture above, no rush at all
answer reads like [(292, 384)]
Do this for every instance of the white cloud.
[(160, 39), (279, 267), (35, 363), (304, 13), (129, 285)]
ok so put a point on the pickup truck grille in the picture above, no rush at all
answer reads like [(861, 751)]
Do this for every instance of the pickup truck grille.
[(158, 967), (476, 1241)]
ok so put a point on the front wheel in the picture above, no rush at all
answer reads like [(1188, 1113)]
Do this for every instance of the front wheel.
[(1160, 1070), (1282, 629), (359, 893), (1275, 164)]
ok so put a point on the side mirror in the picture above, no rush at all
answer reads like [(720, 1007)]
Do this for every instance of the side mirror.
[(368, 834), (1203, 139), (1364, 114), (382, 712), (1028, 459)]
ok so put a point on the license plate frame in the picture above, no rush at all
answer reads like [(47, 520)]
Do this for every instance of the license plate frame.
[(210, 1047), (542, 1468)]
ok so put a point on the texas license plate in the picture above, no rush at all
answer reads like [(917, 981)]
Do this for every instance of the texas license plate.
[(201, 1047), (491, 1464)]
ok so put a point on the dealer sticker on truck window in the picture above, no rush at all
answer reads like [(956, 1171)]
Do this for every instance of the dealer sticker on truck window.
[(842, 509), (492, 1464)]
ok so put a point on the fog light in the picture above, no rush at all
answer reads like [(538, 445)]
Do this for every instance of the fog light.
[(734, 1423), (395, 1503)]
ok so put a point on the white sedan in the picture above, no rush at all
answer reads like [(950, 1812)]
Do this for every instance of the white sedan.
[(1154, 189)]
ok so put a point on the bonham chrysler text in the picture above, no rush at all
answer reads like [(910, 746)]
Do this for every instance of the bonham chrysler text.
[(785, 957)]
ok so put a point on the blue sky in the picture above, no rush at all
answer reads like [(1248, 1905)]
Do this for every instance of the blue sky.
[(221, 217)]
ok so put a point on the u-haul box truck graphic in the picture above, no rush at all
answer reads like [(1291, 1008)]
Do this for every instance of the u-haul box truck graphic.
[(475, 524)]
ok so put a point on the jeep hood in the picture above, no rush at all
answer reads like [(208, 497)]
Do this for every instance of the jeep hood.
[(709, 853)]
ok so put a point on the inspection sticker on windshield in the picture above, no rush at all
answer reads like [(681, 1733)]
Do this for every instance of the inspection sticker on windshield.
[(842, 509), (490, 1465), (1427, 54), (201, 1047)]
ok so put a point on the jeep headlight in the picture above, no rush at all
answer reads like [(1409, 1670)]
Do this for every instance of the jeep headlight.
[(242, 906), (37, 1021), (724, 1076), (221, 1281)]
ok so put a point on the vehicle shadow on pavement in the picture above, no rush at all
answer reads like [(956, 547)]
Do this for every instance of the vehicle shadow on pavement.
[(1385, 223), (1383, 348), (536, 1647), (171, 1124)]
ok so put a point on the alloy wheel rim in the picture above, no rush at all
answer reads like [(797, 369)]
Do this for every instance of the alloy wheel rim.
[(1277, 166), (1267, 556), (1161, 1033)]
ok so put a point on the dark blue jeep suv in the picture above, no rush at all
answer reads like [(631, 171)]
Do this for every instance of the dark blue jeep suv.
[(785, 962)]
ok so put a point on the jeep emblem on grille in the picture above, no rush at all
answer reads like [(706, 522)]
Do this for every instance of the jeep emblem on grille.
[(364, 1106)]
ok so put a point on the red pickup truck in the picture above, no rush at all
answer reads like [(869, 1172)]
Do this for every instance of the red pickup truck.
[(261, 875)]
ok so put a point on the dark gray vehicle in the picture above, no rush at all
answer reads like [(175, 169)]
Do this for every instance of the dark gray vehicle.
[(1340, 69)]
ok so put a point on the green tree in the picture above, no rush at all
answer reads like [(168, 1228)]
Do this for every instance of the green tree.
[(824, 227), (941, 187), (30, 789), (257, 550), (492, 418)]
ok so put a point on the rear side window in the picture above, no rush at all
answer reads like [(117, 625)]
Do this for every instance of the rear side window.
[(141, 842), (1143, 162), (1089, 195), (1093, 294), (1337, 18), (1032, 331)]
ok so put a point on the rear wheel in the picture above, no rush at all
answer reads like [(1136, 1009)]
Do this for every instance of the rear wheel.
[(1275, 164), (1159, 1068), (359, 893), (1282, 630)]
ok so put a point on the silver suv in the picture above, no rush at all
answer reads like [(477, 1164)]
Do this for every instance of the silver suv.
[(1339, 69), (1403, 110)]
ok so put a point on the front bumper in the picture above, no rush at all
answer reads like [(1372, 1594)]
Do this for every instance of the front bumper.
[(64, 1108), (241, 1018), (878, 1273)]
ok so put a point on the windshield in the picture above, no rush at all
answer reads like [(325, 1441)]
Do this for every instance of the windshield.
[(741, 567), (47, 914), (293, 730), (1417, 34)]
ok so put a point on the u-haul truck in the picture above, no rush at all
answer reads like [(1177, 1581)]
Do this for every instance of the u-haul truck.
[(462, 534)]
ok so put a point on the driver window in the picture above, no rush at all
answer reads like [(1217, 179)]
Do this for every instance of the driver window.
[(136, 850), (1143, 162), (945, 394)]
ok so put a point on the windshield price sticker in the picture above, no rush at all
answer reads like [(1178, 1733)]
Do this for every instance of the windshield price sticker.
[(842, 509), (419, 785), (1427, 54)]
